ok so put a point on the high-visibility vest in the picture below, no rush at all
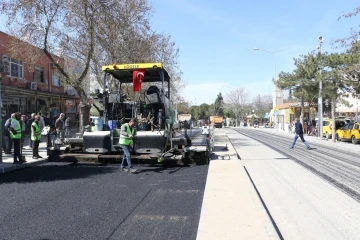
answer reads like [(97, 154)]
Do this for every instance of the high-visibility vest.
[(17, 129), (126, 140), (37, 132)]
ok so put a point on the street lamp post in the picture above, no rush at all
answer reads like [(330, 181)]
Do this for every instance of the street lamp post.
[(273, 52), (320, 102)]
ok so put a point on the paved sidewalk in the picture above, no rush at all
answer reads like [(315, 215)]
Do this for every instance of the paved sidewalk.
[(8, 166), (231, 208)]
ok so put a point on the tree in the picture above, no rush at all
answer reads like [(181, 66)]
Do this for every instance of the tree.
[(219, 105), (94, 33), (354, 33), (303, 81), (236, 101), (183, 107), (262, 104), (229, 113)]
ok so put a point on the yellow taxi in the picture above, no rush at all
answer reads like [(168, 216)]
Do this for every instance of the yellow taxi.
[(328, 126), (349, 132)]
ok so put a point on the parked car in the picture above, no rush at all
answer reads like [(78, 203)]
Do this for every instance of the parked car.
[(328, 126), (349, 132)]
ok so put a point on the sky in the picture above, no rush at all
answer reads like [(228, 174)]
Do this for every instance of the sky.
[(216, 39)]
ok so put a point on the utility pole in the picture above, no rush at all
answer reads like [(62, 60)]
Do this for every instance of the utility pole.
[(320, 102)]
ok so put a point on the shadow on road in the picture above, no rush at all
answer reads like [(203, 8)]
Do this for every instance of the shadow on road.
[(55, 172), (171, 168)]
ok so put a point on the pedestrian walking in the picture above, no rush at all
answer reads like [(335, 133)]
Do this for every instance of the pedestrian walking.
[(299, 132), (36, 136), (15, 134), (127, 135), (29, 122)]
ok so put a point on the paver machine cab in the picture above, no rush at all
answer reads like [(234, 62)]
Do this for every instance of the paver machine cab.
[(151, 107)]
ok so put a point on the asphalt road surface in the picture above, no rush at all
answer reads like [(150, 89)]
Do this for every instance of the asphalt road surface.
[(66, 201)]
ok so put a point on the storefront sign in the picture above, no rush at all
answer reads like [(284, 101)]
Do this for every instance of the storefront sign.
[(10, 101)]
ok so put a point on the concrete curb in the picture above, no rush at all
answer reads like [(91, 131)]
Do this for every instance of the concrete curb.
[(231, 207), (9, 167)]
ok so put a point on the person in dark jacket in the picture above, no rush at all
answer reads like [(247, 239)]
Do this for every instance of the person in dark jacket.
[(299, 132), (29, 122)]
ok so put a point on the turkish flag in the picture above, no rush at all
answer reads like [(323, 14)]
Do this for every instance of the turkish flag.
[(138, 76)]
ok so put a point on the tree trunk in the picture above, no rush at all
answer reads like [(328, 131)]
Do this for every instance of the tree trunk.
[(333, 134), (84, 116)]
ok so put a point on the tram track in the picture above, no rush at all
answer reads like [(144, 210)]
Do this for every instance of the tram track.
[(338, 167)]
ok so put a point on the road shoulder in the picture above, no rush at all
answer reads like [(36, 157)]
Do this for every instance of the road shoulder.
[(231, 208)]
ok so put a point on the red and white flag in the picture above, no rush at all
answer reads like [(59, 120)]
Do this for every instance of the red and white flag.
[(138, 76)]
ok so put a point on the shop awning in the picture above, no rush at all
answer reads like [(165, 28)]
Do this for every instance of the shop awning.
[(347, 110)]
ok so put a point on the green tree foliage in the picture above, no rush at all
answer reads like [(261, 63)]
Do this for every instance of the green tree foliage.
[(94, 33), (303, 81), (219, 105), (229, 113), (204, 111)]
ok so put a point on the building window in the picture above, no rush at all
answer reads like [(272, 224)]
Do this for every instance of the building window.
[(17, 68), (39, 74), (55, 79)]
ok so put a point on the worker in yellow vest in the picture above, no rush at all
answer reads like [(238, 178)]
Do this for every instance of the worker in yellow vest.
[(36, 136), (15, 135), (127, 135)]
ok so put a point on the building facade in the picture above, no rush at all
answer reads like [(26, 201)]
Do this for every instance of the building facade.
[(32, 86)]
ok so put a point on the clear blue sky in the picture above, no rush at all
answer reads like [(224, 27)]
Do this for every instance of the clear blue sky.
[(216, 39)]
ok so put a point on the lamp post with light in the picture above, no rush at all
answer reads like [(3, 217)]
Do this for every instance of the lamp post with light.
[(320, 100)]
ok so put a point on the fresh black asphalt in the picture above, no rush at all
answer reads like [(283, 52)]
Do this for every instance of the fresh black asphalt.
[(66, 201)]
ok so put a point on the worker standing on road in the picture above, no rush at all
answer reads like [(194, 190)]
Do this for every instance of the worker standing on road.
[(127, 134), (36, 136), (59, 126), (299, 132), (29, 122), (15, 135)]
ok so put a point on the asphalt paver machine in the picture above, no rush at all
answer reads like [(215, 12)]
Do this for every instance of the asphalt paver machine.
[(143, 92)]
